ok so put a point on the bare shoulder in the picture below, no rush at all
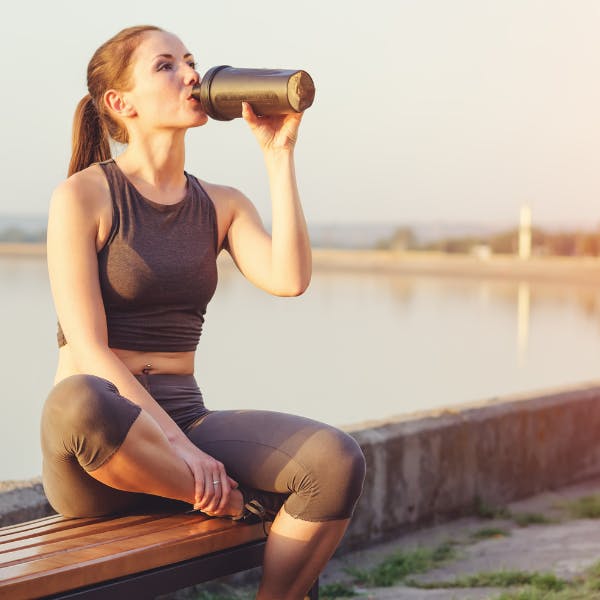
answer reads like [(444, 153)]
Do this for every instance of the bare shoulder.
[(224, 197), (81, 204), (231, 206), (84, 193)]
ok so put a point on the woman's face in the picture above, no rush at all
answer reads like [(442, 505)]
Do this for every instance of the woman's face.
[(163, 74)]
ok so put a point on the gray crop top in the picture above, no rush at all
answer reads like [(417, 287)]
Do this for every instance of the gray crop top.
[(158, 268)]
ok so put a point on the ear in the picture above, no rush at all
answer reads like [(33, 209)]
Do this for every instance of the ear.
[(118, 104)]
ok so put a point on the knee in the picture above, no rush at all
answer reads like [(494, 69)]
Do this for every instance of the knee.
[(334, 479), (79, 401), (85, 417), (345, 469)]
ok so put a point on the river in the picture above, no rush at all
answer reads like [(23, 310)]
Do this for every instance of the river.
[(356, 346)]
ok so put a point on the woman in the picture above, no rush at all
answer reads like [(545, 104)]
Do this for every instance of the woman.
[(132, 247)]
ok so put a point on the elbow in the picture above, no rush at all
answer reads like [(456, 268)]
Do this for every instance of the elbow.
[(87, 353), (292, 290)]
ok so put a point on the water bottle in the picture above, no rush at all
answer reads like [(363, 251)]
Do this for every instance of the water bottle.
[(269, 91)]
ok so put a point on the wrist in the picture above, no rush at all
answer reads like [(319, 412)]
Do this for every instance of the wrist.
[(279, 159)]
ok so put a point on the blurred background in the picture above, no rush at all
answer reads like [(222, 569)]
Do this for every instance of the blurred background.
[(438, 128)]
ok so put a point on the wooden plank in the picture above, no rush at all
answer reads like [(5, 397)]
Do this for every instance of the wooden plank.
[(173, 577), (89, 565), (52, 523), (47, 543), (106, 543), (91, 536), (16, 527)]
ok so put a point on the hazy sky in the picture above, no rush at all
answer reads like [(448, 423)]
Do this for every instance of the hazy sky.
[(452, 110)]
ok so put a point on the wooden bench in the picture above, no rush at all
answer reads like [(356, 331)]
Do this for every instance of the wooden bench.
[(133, 557)]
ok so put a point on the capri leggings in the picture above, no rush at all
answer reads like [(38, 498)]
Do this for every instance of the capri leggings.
[(318, 468)]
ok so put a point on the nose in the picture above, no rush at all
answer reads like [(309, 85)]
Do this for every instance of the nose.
[(192, 77)]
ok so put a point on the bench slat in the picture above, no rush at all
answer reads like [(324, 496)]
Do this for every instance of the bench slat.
[(88, 564), (63, 539), (7, 529), (23, 527), (46, 524)]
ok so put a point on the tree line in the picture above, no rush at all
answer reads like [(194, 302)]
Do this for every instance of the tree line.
[(543, 243)]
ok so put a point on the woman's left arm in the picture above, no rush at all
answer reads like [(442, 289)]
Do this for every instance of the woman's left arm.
[(280, 263)]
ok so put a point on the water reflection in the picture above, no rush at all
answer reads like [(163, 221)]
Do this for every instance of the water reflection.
[(356, 346), (523, 309)]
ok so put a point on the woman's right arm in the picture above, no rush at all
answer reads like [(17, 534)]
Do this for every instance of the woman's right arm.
[(73, 225)]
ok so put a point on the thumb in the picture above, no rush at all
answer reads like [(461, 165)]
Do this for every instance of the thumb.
[(248, 114)]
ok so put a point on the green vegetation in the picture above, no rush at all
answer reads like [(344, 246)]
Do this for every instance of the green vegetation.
[(336, 590), (396, 567), (526, 519), (402, 566), (487, 511), (541, 581), (489, 532), (584, 588), (587, 507)]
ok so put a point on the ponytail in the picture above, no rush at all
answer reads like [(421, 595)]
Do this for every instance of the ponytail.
[(94, 125), (90, 140)]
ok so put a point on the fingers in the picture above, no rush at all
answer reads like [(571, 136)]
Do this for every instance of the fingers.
[(217, 483), (198, 490), (212, 485), (216, 489)]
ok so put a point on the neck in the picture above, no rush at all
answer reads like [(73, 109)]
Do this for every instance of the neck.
[(155, 160)]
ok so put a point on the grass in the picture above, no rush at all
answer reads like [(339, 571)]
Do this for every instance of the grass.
[(400, 566), (541, 581), (531, 585), (487, 511), (587, 507), (586, 587), (331, 591), (489, 532), (526, 519), (396, 567)]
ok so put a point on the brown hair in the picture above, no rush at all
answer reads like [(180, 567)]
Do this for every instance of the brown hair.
[(93, 125)]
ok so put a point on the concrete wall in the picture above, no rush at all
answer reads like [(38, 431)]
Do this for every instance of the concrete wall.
[(433, 466)]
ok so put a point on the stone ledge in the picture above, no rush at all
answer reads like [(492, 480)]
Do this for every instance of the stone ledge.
[(431, 466), (22, 501)]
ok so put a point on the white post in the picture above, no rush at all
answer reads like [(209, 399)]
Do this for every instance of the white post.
[(525, 233)]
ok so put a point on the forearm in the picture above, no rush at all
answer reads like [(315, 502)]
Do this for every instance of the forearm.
[(102, 362), (291, 258)]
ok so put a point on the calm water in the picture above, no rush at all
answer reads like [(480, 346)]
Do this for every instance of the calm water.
[(354, 347)]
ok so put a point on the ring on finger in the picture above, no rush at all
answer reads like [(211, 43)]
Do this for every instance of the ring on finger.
[(216, 482)]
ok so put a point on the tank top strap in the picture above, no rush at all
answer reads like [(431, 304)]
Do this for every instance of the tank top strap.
[(206, 205), (115, 185)]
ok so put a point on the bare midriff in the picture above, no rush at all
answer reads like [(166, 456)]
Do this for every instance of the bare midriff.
[(138, 362)]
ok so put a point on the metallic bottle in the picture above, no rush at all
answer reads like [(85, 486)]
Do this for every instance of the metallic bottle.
[(269, 91)]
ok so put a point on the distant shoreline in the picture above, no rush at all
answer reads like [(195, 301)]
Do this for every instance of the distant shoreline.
[(556, 268), (563, 269), (22, 249)]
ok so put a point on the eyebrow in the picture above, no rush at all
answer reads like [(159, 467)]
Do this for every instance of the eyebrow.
[(188, 55)]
